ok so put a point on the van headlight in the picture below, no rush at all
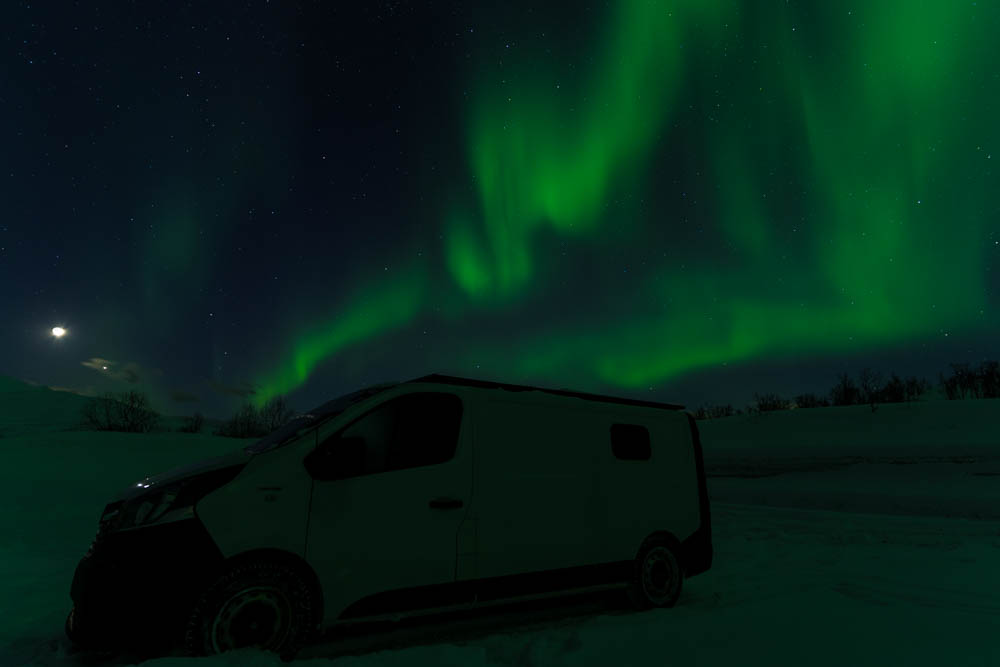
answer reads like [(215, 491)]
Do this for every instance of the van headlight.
[(149, 508), (173, 502)]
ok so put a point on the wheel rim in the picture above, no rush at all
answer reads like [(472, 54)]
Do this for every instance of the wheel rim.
[(658, 575), (258, 616)]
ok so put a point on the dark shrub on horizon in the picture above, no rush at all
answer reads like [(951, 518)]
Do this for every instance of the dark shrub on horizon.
[(967, 382), (916, 387), (246, 423), (811, 401), (871, 387), (714, 411), (275, 413), (128, 412), (950, 387), (193, 423), (960, 384), (718, 411), (251, 422), (988, 375), (770, 402), (894, 390), (845, 392)]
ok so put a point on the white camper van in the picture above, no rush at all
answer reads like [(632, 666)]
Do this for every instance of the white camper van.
[(436, 494)]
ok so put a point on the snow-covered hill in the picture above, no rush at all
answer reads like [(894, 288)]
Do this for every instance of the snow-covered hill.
[(794, 582), (938, 458)]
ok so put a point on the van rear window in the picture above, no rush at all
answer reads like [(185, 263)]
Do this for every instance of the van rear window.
[(630, 442)]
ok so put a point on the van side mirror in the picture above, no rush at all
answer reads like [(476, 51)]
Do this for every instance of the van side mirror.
[(337, 459)]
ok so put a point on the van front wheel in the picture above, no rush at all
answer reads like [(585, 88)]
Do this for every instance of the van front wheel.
[(657, 575), (258, 602)]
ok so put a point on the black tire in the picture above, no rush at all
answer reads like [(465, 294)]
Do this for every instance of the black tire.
[(657, 575), (255, 602)]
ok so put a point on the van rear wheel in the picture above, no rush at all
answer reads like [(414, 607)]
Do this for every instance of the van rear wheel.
[(657, 575), (258, 602)]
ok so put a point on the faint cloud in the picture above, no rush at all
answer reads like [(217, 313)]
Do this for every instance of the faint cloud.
[(245, 389), (130, 372), (79, 391), (97, 363), (181, 396)]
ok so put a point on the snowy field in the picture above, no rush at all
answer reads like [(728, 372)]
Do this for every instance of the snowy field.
[(842, 537)]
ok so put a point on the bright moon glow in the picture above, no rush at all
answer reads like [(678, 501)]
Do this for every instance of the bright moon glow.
[(58, 332)]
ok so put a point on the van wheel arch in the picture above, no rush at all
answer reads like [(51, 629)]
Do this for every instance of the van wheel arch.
[(279, 558), (660, 551), (675, 544)]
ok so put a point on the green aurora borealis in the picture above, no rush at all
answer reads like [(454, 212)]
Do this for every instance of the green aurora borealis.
[(839, 161)]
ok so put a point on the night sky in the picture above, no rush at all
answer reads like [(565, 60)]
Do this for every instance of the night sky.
[(688, 201)]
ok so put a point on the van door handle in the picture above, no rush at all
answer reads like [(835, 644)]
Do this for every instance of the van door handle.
[(445, 503)]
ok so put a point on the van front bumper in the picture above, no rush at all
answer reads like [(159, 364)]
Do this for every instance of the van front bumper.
[(135, 588)]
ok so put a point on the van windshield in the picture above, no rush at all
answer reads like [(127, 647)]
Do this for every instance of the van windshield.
[(318, 415)]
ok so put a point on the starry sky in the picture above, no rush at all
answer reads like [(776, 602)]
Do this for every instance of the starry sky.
[(687, 200)]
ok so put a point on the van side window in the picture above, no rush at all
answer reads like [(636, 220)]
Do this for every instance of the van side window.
[(630, 442), (376, 428), (427, 426)]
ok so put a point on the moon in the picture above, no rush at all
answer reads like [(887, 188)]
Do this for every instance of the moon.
[(58, 332)]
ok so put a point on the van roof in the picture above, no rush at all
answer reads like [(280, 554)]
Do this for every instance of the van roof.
[(487, 384)]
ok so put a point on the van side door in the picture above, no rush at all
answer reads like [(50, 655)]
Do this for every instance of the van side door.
[(536, 488), (390, 491)]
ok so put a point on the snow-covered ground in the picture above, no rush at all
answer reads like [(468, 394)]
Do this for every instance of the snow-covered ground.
[(842, 537)]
